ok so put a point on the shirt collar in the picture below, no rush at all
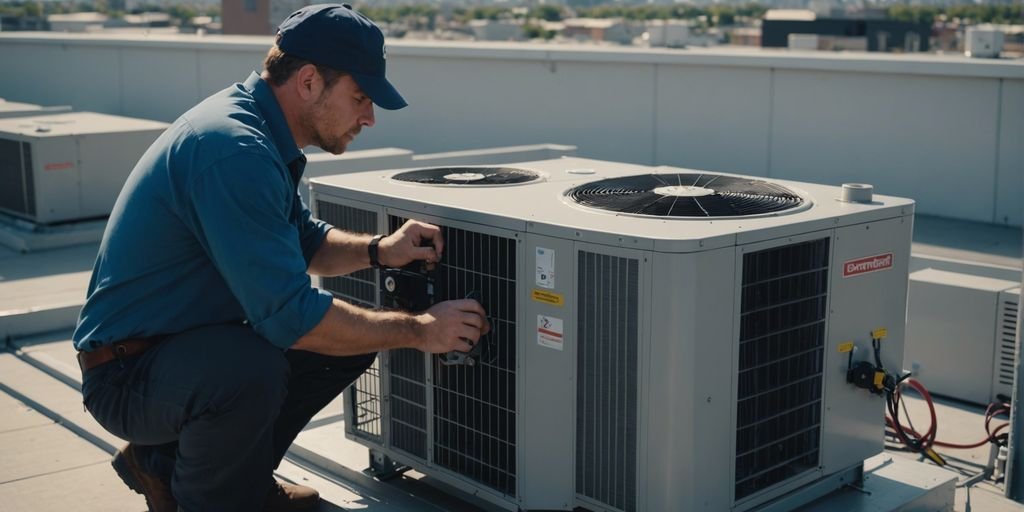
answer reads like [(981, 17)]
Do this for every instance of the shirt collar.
[(274, 117)]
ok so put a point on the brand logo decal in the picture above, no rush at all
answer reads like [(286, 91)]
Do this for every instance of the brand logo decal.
[(59, 166), (867, 265)]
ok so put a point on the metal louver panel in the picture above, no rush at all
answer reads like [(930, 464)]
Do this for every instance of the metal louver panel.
[(12, 175), (1006, 330), (779, 395), (408, 402), (606, 393), (473, 411), (359, 288), (30, 188)]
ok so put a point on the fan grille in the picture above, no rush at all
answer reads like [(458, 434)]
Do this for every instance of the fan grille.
[(686, 195), (472, 176)]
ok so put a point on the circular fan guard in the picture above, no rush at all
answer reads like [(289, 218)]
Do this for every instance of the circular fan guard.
[(686, 195), (474, 176)]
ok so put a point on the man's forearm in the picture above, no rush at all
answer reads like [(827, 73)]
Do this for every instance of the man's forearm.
[(349, 330), (340, 253)]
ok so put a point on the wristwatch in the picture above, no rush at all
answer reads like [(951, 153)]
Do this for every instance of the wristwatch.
[(374, 250)]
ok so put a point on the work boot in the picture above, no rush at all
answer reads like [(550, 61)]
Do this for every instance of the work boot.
[(285, 497), (157, 492)]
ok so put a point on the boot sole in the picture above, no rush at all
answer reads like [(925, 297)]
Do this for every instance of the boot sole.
[(124, 470)]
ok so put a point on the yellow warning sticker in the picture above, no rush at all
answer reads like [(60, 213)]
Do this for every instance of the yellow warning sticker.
[(879, 333), (846, 347), (552, 298)]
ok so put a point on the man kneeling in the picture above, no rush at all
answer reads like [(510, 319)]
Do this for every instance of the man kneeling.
[(203, 342)]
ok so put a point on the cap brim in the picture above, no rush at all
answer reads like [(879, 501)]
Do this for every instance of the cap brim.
[(383, 94)]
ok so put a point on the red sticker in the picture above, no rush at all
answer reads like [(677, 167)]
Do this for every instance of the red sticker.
[(867, 265)]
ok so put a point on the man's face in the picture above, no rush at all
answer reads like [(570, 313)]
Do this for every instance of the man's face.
[(338, 114)]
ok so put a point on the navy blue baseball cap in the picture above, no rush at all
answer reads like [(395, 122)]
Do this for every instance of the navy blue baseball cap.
[(339, 37)]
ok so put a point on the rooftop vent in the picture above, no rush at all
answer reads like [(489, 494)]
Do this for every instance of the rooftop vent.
[(473, 176), (686, 195)]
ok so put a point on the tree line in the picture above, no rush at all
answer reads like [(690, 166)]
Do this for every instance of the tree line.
[(181, 12), (720, 14), (1002, 14), (713, 14)]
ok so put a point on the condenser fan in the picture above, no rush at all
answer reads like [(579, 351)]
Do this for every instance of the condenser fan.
[(468, 176), (686, 195)]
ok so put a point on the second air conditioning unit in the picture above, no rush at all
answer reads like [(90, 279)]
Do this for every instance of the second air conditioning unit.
[(663, 339), (68, 167), (961, 334)]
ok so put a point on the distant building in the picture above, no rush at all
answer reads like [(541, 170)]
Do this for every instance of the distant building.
[(256, 17), (846, 33), (12, 23), (946, 36), (745, 36), (497, 30), (77, 22), (614, 30), (668, 33), (143, 20)]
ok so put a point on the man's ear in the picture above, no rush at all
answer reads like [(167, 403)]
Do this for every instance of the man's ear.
[(308, 82)]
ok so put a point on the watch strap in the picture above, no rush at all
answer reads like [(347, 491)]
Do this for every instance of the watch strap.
[(374, 251)]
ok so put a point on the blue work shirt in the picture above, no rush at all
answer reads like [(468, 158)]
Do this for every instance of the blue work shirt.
[(209, 229)]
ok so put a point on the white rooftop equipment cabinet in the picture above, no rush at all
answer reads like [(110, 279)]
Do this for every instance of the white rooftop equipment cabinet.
[(960, 337), (16, 109), (68, 167), (663, 338)]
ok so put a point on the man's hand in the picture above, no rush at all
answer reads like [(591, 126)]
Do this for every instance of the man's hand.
[(451, 325), (406, 245)]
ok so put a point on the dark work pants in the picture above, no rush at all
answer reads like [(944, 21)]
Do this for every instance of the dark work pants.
[(215, 409)]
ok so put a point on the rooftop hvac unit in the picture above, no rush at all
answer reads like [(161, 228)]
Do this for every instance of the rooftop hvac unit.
[(15, 109), (66, 167), (983, 41), (663, 339), (960, 337)]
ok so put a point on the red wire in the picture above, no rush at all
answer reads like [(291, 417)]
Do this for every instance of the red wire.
[(928, 439)]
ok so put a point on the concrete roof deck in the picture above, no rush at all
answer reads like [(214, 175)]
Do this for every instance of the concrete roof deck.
[(57, 457)]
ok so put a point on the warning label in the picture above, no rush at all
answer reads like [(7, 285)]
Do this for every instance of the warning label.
[(549, 331), (867, 265), (555, 299)]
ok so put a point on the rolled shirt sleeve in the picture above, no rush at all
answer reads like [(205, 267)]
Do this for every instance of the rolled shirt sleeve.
[(241, 208), (312, 232)]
